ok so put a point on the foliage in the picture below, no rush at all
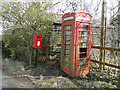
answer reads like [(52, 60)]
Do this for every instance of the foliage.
[(5, 51), (22, 20)]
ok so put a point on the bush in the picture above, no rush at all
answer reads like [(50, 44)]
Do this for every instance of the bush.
[(22, 54), (5, 51)]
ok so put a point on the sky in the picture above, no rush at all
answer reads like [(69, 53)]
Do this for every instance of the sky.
[(110, 3), (0, 27)]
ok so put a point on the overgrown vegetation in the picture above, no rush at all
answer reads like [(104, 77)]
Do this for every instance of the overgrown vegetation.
[(49, 75), (20, 22)]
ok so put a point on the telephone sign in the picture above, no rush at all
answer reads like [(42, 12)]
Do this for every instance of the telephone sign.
[(37, 40)]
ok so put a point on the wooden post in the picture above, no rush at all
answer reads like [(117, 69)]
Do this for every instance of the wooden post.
[(102, 38), (36, 58), (46, 54), (119, 42)]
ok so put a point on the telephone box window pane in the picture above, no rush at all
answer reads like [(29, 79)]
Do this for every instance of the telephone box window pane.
[(84, 27), (67, 55), (67, 27), (67, 37), (83, 55), (67, 32), (83, 52), (83, 39), (67, 51), (67, 47), (66, 61), (67, 42), (83, 49), (83, 66), (83, 44), (83, 61), (84, 33)]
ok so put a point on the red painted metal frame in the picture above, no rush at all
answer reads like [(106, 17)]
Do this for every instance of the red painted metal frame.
[(36, 38), (76, 21)]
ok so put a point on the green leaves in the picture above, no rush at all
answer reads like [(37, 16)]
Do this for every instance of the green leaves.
[(22, 20)]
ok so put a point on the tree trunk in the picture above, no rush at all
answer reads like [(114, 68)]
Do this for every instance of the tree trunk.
[(102, 38), (119, 42)]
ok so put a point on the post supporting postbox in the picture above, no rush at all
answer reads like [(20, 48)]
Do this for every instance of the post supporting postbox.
[(36, 58), (37, 44)]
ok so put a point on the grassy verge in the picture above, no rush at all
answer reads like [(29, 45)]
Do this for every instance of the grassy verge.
[(12, 67)]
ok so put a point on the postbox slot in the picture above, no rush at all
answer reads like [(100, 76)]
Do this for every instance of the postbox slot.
[(38, 36)]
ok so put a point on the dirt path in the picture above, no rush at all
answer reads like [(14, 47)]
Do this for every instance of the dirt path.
[(9, 81)]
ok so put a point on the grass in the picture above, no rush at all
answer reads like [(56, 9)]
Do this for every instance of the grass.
[(13, 64), (49, 80)]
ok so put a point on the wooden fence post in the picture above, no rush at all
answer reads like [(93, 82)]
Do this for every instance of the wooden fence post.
[(119, 41), (46, 53), (103, 32)]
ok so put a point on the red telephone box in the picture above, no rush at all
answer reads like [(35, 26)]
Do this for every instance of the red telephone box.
[(76, 43), (37, 40)]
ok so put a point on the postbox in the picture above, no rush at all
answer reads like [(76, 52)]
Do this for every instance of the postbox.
[(76, 43), (37, 38)]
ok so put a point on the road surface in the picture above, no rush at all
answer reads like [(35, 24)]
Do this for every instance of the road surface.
[(15, 82)]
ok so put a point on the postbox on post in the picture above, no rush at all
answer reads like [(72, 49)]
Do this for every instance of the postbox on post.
[(76, 43), (37, 40)]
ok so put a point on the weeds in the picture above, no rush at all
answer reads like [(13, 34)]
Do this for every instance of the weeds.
[(13, 64), (95, 79)]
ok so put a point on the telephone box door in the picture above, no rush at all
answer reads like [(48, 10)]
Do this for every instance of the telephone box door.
[(83, 46), (67, 48)]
